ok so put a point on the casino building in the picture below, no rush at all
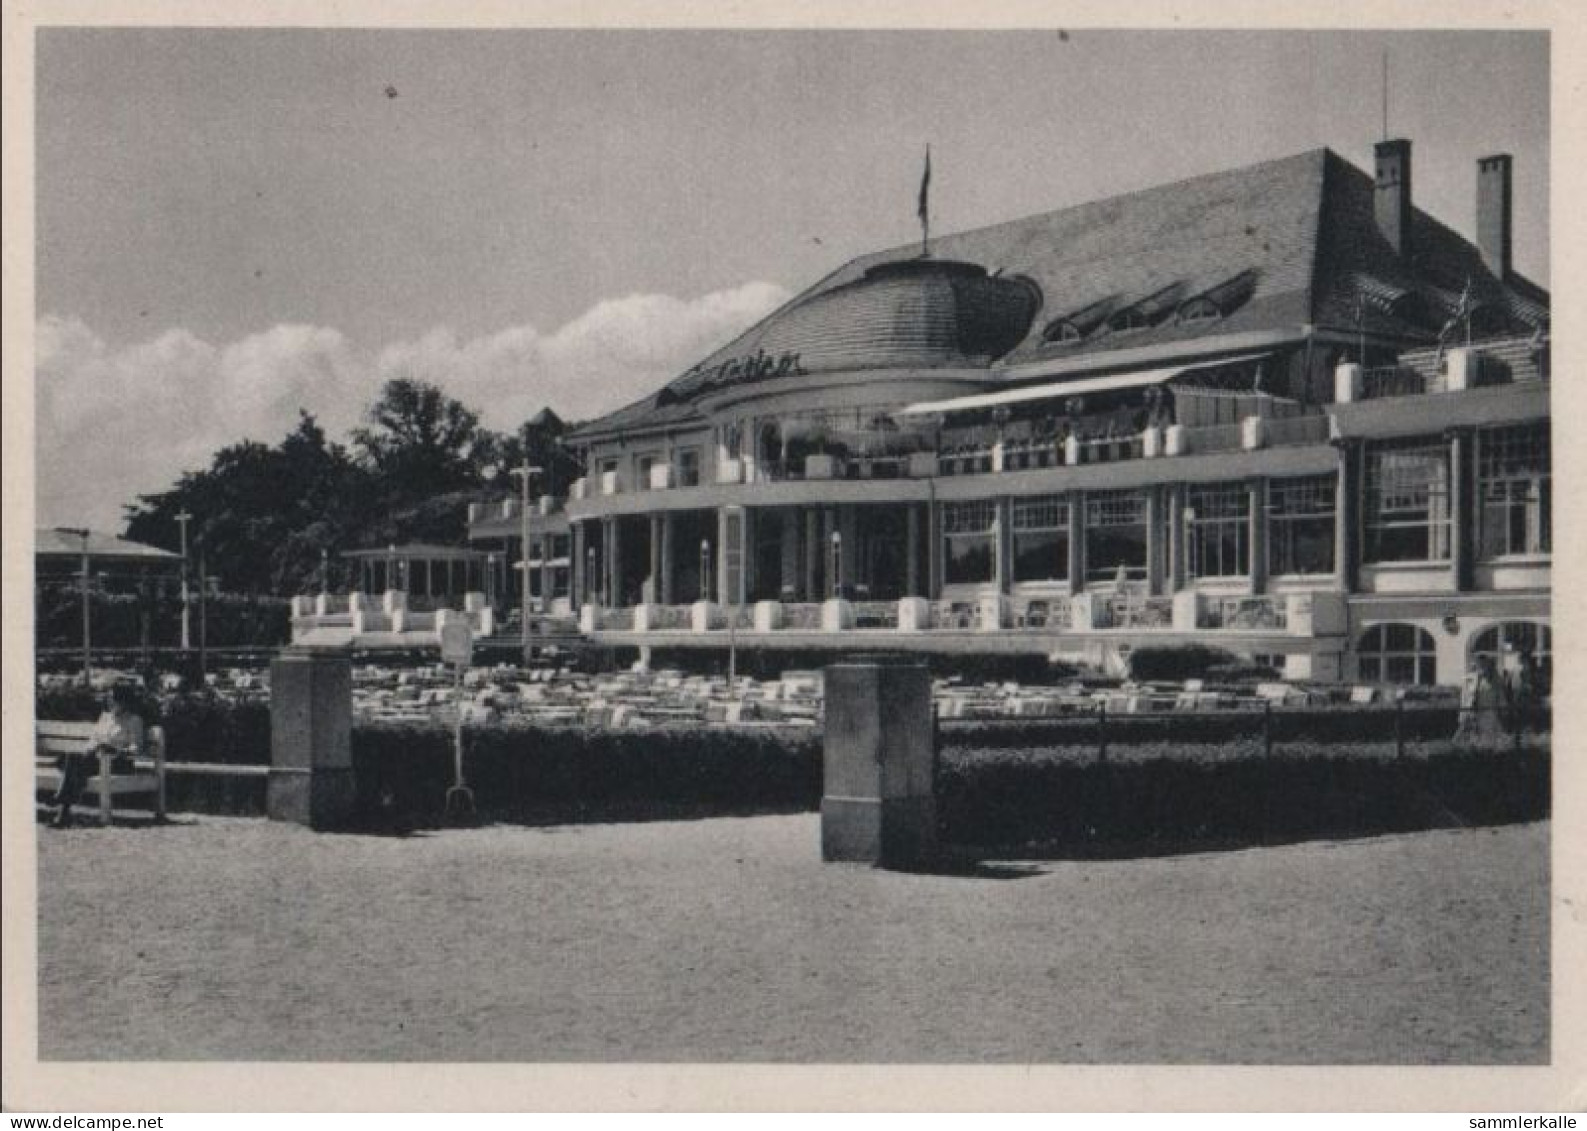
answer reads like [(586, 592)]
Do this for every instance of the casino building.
[(1279, 409)]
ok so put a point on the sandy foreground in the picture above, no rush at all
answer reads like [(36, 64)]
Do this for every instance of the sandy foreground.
[(728, 940)]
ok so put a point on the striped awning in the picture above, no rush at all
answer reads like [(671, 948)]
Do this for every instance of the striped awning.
[(1138, 379)]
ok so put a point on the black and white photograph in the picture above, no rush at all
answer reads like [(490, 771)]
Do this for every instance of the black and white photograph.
[(724, 546)]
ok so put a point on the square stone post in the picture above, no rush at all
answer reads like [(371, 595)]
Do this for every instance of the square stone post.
[(1257, 492), (664, 589), (1347, 515), (878, 805), (311, 778), (1077, 542), (1461, 498), (912, 551)]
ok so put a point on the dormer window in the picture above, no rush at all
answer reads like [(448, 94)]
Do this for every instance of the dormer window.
[(1201, 309), (1147, 312), (1219, 301), (1062, 331)]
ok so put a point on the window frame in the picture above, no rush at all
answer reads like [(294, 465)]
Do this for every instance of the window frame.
[(1385, 511), (1230, 507), (1042, 518), (1282, 523), (1511, 457), (1374, 655)]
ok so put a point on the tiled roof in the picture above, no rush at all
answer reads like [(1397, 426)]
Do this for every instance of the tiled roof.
[(1277, 245)]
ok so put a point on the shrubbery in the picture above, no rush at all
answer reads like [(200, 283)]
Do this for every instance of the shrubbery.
[(1175, 794), (1181, 778), (569, 773), (1179, 661)]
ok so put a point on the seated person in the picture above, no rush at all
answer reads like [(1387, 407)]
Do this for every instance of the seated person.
[(119, 730)]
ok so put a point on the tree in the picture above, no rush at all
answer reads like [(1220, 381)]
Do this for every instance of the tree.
[(262, 516), (421, 442)]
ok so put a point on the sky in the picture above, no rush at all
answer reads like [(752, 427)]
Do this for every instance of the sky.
[(233, 225)]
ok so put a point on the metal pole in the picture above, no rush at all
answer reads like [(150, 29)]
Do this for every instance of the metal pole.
[(182, 520), (203, 619), (87, 619)]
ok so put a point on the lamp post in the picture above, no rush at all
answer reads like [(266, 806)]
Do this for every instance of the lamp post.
[(524, 473), (705, 569), (182, 520), (325, 571), (81, 533), (837, 563)]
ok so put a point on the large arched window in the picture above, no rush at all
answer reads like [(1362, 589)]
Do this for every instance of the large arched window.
[(1397, 653), (1511, 640)]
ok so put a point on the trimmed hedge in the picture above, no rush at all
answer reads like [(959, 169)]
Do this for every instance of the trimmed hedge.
[(570, 773), (1176, 794)]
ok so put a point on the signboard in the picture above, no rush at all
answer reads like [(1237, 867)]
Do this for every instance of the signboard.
[(457, 642)]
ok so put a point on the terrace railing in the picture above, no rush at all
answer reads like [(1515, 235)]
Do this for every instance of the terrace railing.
[(670, 618), (875, 614), (616, 620), (1264, 613), (1286, 430), (802, 616), (1049, 614), (1397, 381), (1134, 611)]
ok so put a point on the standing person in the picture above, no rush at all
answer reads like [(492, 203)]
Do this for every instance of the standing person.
[(119, 730)]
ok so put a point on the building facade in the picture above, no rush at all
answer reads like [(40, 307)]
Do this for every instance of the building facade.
[(1279, 409)]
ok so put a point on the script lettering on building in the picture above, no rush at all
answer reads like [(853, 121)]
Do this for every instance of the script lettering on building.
[(758, 366)]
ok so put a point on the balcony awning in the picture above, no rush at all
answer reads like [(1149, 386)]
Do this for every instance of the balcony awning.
[(1138, 379)]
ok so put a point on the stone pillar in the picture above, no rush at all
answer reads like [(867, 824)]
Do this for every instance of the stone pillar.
[(1156, 532), (1347, 515), (848, 529), (725, 595), (1077, 542), (576, 578), (1176, 537), (788, 553), (664, 588), (912, 551), (812, 579), (614, 562), (656, 566), (1461, 492), (1004, 549), (1257, 492), (311, 778), (877, 804)]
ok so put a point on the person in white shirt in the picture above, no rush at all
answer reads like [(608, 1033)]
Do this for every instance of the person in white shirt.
[(119, 730)]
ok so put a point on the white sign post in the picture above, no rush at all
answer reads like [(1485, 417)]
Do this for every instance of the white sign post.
[(457, 649)]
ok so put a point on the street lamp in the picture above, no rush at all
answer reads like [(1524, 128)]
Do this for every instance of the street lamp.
[(80, 532), (837, 563), (705, 569), (182, 520), (524, 473)]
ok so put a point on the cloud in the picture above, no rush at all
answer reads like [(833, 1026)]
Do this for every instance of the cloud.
[(116, 422)]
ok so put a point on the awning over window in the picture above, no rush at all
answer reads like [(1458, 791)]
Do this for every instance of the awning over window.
[(1138, 379)]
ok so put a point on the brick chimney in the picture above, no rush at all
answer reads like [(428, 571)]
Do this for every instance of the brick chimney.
[(1391, 203), (1493, 212)]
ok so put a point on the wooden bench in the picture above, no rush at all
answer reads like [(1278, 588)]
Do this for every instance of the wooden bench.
[(54, 738)]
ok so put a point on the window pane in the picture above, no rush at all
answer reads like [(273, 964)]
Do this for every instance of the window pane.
[(1041, 555), (969, 559)]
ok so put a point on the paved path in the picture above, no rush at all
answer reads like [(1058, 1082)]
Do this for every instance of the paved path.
[(726, 940)]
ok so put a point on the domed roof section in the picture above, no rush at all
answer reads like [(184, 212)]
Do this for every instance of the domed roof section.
[(907, 313)]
